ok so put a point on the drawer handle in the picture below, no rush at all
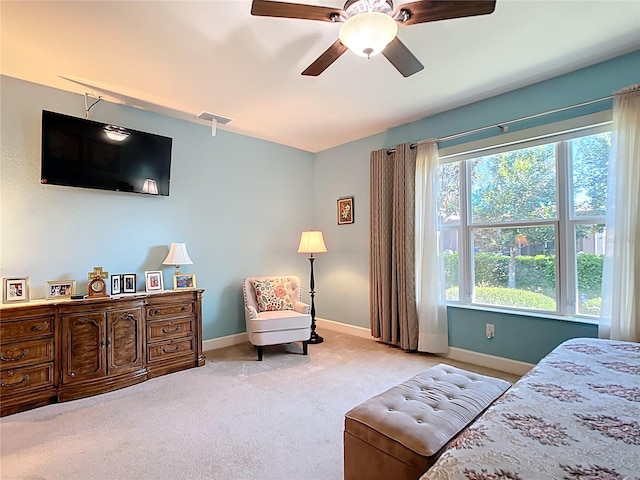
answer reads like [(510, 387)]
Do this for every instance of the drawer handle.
[(156, 312), (164, 350), (37, 328), (24, 353), (24, 379), (184, 309), (177, 329)]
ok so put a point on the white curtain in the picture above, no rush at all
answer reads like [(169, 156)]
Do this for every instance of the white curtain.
[(432, 311), (620, 313)]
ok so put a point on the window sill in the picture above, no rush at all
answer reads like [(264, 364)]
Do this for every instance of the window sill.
[(522, 313)]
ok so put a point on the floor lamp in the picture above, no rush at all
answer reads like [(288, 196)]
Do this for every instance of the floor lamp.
[(312, 242)]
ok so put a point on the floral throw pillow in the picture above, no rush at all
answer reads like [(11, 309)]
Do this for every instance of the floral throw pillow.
[(272, 295)]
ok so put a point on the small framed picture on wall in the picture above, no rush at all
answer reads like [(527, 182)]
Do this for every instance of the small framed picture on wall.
[(345, 211)]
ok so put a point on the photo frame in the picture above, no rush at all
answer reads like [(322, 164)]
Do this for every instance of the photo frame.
[(153, 281), (116, 284), (128, 283), (345, 211), (60, 289), (184, 281), (15, 289)]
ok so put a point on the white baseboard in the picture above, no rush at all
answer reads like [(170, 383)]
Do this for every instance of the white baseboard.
[(476, 358), (343, 328), (490, 361), (222, 342), (321, 323)]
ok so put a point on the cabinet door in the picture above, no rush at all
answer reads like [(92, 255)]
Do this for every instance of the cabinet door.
[(124, 340), (83, 347)]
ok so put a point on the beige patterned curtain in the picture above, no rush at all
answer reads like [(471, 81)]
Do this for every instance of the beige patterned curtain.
[(392, 298)]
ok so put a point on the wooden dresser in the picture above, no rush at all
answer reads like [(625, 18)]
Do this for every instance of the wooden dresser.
[(58, 350)]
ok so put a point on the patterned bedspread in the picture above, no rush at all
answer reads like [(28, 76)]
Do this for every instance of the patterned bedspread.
[(575, 415)]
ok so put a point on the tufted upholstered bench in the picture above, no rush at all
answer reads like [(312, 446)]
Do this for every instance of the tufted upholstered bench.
[(399, 433)]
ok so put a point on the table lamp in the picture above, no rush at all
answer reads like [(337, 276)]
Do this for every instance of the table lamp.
[(178, 256)]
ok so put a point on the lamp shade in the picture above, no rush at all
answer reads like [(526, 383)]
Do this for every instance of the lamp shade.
[(367, 33), (312, 242), (178, 255), (150, 186)]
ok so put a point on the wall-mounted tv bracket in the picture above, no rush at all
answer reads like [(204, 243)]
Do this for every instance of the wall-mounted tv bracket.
[(88, 107)]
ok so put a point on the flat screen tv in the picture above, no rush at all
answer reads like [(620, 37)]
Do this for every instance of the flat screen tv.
[(78, 153)]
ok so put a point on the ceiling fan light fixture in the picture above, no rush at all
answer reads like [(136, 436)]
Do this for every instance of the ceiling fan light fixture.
[(367, 33)]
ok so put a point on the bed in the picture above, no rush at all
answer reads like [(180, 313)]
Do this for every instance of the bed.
[(575, 415)]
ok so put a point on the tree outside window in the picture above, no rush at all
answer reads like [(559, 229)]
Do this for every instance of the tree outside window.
[(517, 213)]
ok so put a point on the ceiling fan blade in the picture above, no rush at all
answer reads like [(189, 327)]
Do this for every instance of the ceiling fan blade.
[(401, 58), (269, 8), (433, 10), (330, 55)]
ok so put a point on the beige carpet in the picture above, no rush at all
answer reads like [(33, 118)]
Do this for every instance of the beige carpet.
[(235, 418)]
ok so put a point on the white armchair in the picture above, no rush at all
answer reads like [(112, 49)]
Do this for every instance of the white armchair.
[(275, 313)]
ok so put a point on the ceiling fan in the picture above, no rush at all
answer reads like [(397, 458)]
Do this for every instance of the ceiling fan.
[(370, 27)]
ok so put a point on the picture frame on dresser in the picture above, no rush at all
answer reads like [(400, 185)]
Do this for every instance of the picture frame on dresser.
[(184, 281), (153, 281), (15, 289), (129, 283), (116, 284), (59, 289)]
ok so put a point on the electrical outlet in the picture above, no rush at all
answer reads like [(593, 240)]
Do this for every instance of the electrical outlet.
[(490, 330)]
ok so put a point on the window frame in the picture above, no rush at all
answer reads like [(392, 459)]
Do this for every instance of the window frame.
[(564, 223)]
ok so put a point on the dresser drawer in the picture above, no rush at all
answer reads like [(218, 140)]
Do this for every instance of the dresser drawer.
[(163, 330), (171, 310), (25, 329), (172, 348), (19, 380), (26, 353)]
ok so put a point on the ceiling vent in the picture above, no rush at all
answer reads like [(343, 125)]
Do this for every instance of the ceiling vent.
[(214, 119), (211, 116)]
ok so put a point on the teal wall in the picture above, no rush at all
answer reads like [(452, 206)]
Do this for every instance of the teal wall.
[(239, 203), (517, 337), (598, 81), (345, 268)]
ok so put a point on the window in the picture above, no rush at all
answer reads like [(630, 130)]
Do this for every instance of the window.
[(522, 227)]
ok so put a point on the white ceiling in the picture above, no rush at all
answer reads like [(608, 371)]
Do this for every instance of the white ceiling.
[(185, 57)]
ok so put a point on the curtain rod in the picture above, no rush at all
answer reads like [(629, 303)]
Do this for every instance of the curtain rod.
[(503, 126)]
